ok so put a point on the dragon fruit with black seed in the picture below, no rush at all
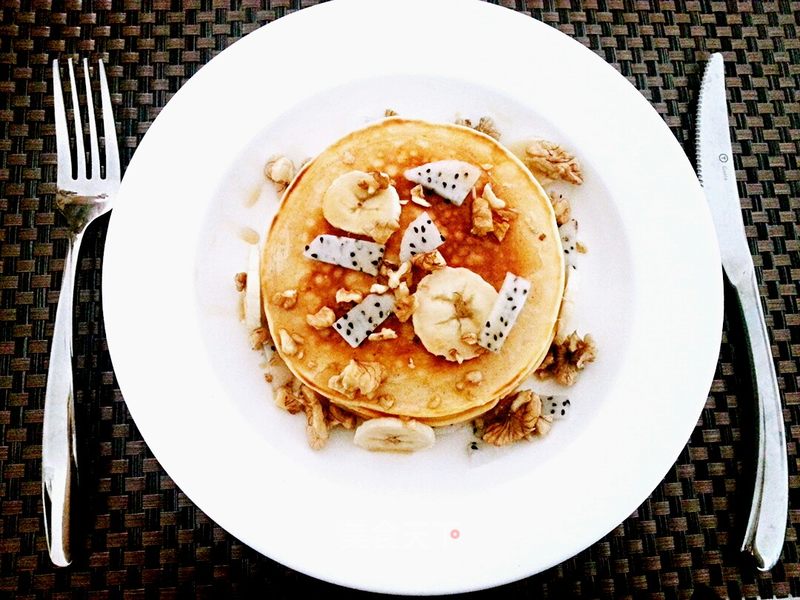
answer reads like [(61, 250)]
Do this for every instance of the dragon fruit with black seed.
[(450, 179), (350, 253), (569, 242), (556, 407), (420, 236), (364, 318), (510, 300)]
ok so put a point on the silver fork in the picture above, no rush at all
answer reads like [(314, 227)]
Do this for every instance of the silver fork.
[(81, 198)]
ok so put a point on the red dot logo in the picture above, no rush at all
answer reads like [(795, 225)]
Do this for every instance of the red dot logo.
[(455, 534)]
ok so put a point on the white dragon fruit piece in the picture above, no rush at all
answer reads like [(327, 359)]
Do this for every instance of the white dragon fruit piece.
[(450, 179), (347, 252), (420, 236), (569, 242), (556, 407), (510, 300), (361, 320), (278, 374)]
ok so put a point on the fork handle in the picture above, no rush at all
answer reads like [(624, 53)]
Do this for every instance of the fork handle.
[(766, 526), (58, 440)]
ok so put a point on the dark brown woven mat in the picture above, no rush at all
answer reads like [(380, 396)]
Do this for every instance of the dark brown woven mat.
[(142, 537)]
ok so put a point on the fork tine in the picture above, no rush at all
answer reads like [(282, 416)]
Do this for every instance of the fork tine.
[(94, 150), (63, 156), (80, 154), (109, 129)]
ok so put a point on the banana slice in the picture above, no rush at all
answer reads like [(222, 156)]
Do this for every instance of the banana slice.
[(363, 203), (388, 434), (252, 292), (452, 307)]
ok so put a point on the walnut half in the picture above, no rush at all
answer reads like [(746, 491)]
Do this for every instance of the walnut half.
[(322, 319), (567, 357), (280, 170), (316, 421), (286, 299), (548, 160), (358, 378), (429, 261), (513, 419)]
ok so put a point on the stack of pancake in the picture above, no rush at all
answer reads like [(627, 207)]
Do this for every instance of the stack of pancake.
[(418, 384)]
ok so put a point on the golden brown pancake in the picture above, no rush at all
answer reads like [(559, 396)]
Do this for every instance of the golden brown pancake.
[(418, 384)]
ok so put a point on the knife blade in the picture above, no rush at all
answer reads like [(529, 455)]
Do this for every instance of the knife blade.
[(766, 526)]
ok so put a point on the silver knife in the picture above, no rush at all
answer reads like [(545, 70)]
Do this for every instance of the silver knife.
[(766, 526)]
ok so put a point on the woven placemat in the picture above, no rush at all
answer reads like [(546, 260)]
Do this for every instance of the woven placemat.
[(142, 536)]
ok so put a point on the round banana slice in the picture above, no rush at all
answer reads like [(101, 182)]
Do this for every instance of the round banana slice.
[(389, 434), (452, 306), (363, 203), (252, 291)]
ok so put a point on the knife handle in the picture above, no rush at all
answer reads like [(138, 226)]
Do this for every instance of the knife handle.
[(766, 526)]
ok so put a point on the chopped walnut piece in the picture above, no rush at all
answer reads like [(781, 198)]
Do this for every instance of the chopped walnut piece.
[(316, 423), (482, 222), (490, 215), (513, 419), (470, 338), (418, 196), (390, 112), (500, 230), (240, 279), (371, 184), (337, 416), (561, 207), (289, 397), (280, 170), (411, 364), (286, 299), (581, 247), (382, 180), (322, 319), (345, 295), (485, 125), (543, 425), (566, 357), (502, 221), (286, 343), (429, 261), (384, 334), (395, 277), (386, 401), (494, 202), (455, 356), (404, 303), (550, 161), (258, 337), (358, 378), (474, 377), (378, 288)]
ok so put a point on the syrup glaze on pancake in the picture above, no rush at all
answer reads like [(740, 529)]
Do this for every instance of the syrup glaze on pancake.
[(418, 384)]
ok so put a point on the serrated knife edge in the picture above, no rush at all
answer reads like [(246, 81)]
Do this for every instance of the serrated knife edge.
[(715, 169)]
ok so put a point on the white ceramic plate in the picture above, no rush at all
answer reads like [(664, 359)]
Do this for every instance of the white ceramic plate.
[(436, 521)]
